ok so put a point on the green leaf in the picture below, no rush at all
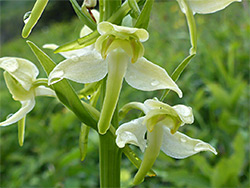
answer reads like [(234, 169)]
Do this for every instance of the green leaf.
[(226, 172), (110, 6), (177, 72), (143, 19), (34, 17), (64, 90), (83, 141), (134, 8), (84, 18), (21, 130), (79, 43)]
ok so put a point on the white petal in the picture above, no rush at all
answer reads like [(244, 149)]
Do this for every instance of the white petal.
[(87, 68), (107, 27), (208, 6), (185, 113), (146, 76), (180, 146), (85, 31), (44, 91), (71, 54), (27, 106), (132, 132), (24, 71)]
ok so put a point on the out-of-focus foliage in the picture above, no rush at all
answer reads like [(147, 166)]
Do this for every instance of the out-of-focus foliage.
[(215, 85)]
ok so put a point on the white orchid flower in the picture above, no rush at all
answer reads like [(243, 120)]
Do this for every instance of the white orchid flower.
[(160, 123), (20, 76), (119, 54), (205, 6)]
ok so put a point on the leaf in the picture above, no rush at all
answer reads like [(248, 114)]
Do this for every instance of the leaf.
[(143, 19), (134, 8), (83, 141), (79, 43), (85, 19), (226, 172), (64, 90), (34, 17), (177, 72)]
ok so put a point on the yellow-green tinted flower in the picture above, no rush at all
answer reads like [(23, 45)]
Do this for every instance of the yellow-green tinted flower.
[(119, 47), (205, 6), (160, 122), (19, 75)]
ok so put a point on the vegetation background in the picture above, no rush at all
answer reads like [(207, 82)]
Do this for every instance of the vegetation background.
[(215, 85)]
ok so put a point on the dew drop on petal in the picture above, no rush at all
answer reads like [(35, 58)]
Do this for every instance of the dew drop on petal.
[(155, 83), (26, 17), (75, 57), (183, 140), (9, 116), (199, 147), (10, 65)]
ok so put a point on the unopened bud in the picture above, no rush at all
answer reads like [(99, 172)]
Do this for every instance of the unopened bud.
[(90, 3)]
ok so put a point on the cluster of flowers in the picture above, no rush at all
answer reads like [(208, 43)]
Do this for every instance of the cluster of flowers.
[(118, 53)]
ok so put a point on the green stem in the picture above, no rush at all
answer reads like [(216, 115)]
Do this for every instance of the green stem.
[(110, 161), (109, 154)]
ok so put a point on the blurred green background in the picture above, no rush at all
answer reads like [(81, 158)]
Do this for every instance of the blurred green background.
[(215, 85)]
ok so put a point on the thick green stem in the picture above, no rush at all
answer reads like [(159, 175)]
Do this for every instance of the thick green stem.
[(110, 161)]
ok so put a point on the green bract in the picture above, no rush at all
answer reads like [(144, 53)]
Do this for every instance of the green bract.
[(121, 46), (20, 76), (161, 122)]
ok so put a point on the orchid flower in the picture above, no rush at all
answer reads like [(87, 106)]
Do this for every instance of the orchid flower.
[(20, 77), (118, 53), (160, 123), (190, 7)]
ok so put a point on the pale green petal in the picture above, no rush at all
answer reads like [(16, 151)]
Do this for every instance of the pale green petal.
[(87, 68), (180, 146), (107, 27), (16, 89), (132, 105), (185, 113), (132, 132), (146, 76), (207, 6), (27, 106), (85, 31), (70, 54), (24, 71), (44, 91)]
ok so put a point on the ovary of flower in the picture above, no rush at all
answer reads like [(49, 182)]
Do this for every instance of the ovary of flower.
[(205, 6), (19, 75), (116, 45), (161, 123)]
